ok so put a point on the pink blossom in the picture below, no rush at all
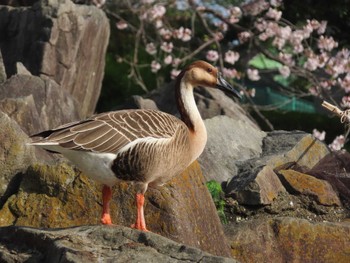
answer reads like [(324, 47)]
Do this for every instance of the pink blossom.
[(322, 28), (345, 102), (284, 71), (279, 42), (314, 24), (253, 74), (212, 55), (327, 43), (230, 73), (345, 83), (311, 63), (155, 12), (155, 66), (184, 34), (121, 25), (260, 24), (147, 1), (158, 23), (165, 33), (174, 73), (274, 14), (151, 48), (319, 135), (244, 36), (167, 47), (231, 57), (286, 58), (338, 143), (235, 14), (168, 60), (284, 32), (276, 3)]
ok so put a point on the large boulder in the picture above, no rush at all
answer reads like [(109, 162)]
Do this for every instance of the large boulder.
[(257, 181), (53, 39), (54, 196), (15, 156), (286, 239), (229, 141), (95, 244), (37, 104)]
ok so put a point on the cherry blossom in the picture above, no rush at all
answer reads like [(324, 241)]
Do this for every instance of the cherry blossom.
[(284, 71), (176, 62), (322, 29), (231, 57), (155, 66), (319, 135), (244, 36), (235, 14), (165, 33), (168, 60), (121, 25), (183, 33), (167, 47), (174, 73), (286, 58), (157, 11), (327, 43), (212, 55), (230, 73), (338, 143), (345, 103), (151, 48), (274, 14), (253, 74)]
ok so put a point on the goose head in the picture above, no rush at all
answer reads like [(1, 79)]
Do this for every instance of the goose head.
[(203, 74)]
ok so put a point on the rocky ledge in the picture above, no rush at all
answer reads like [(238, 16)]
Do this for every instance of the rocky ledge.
[(95, 244)]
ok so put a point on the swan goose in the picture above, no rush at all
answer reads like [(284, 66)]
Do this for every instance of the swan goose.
[(146, 147)]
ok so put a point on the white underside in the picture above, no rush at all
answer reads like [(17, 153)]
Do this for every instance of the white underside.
[(97, 166)]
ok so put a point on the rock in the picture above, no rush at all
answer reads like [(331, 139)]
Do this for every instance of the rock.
[(54, 196), (335, 169), (305, 184), (53, 39), (289, 240), (21, 69), (37, 104), (229, 141), (95, 244), (262, 190), (256, 182), (15, 156), (2, 69)]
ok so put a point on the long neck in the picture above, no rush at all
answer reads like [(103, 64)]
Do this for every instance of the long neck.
[(186, 104)]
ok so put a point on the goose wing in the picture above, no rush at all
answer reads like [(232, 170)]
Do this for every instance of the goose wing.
[(109, 132)]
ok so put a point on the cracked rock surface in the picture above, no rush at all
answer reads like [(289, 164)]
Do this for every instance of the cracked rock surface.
[(95, 244)]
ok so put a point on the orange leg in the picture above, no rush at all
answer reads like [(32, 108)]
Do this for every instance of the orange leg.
[(140, 217), (106, 198)]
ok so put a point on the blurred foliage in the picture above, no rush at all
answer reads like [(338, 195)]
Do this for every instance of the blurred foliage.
[(218, 197)]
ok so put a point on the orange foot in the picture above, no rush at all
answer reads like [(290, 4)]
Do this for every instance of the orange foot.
[(106, 219), (142, 228)]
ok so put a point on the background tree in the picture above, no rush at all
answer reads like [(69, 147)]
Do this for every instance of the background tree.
[(250, 41)]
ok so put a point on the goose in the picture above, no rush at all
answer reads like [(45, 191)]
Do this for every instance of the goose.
[(145, 147)]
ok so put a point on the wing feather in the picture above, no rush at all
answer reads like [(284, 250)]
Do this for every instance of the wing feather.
[(109, 132)]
